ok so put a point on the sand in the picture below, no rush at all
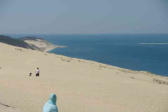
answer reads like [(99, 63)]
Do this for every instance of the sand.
[(80, 85), (43, 45)]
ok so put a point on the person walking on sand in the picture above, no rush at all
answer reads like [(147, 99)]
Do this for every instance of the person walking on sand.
[(37, 72)]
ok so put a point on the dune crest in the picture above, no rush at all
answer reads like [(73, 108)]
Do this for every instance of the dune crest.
[(40, 44)]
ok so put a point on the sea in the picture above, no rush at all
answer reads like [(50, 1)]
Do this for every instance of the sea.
[(140, 52)]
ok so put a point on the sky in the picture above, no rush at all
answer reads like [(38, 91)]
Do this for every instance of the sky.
[(83, 16)]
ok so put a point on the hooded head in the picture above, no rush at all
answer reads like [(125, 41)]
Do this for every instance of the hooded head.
[(52, 99)]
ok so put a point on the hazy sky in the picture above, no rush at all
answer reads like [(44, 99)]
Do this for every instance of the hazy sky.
[(83, 16)]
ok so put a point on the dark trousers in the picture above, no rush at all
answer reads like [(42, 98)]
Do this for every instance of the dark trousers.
[(37, 75)]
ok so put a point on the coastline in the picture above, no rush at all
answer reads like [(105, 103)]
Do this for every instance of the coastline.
[(42, 45), (104, 64), (80, 85), (107, 66), (48, 49)]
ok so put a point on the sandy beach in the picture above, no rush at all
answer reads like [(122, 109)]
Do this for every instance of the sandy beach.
[(43, 45), (80, 85)]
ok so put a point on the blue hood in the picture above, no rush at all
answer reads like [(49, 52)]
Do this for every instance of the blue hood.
[(52, 99)]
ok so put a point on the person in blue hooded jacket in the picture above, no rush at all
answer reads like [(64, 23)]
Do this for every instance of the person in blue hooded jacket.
[(50, 105)]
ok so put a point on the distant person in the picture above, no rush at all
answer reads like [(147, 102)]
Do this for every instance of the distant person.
[(50, 105), (37, 72), (30, 74)]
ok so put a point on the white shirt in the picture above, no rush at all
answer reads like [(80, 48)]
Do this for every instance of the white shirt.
[(37, 71)]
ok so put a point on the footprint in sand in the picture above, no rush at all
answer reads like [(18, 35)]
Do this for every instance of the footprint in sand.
[(160, 81), (6, 105), (132, 77), (66, 60), (18, 49)]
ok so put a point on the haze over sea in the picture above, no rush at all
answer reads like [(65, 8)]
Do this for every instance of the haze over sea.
[(142, 52)]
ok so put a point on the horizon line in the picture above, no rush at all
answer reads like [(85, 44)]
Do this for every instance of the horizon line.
[(84, 34)]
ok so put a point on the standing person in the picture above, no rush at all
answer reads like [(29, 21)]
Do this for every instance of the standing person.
[(37, 72)]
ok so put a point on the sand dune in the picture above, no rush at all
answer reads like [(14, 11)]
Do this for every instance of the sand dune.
[(80, 85), (43, 45)]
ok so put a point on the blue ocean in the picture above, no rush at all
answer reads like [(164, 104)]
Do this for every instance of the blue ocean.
[(143, 52)]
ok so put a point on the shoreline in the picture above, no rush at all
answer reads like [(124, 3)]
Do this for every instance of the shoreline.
[(159, 79), (104, 65), (143, 71), (54, 47), (42, 45)]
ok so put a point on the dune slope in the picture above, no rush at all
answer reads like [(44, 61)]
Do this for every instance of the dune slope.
[(80, 85)]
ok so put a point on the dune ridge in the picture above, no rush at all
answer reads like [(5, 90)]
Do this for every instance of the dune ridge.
[(80, 85), (40, 44)]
